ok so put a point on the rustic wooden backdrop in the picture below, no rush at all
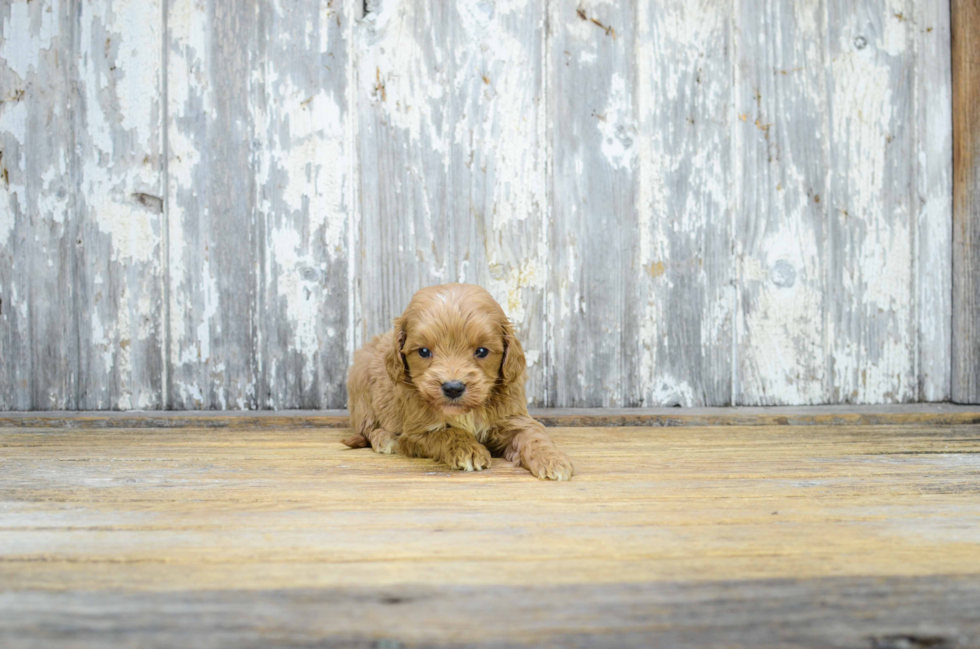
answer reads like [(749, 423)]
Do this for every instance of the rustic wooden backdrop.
[(211, 203)]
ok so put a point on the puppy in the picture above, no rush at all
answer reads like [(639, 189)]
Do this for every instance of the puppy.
[(447, 383)]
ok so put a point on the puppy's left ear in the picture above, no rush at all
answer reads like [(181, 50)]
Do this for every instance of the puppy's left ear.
[(394, 359), (512, 367)]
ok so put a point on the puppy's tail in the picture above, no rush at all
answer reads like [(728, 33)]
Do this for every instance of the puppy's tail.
[(356, 441)]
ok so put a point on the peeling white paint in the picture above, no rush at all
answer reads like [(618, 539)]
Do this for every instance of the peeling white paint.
[(186, 80), (7, 196), (672, 392), (313, 160), (683, 201), (212, 298), (194, 294), (808, 117), (412, 97), (894, 40), (873, 363), (933, 236), (862, 120), (13, 121), (508, 287), (301, 297), (617, 124), (788, 319), (133, 235), (19, 302), (27, 34), (135, 27), (531, 357), (6, 217), (108, 186)]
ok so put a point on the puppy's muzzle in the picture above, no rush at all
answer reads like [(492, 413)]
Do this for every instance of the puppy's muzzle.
[(453, 389)]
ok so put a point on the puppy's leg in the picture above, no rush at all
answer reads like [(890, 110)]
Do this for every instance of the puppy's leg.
[(452, 446), (382, 441), (356, 441), (523, 440)]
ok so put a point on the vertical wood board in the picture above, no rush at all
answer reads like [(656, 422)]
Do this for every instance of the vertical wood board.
[(39, 350), (212, 232), (966, 202), (870, 201), (782, 169), (118, 217), (933, 250), (594, 188), (683, 294), (302, 183)]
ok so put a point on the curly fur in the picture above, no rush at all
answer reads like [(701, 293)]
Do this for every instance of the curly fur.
[(396, 399)]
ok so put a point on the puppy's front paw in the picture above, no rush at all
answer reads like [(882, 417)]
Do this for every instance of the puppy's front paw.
[(472, 457), (383, 442), (549, 464)]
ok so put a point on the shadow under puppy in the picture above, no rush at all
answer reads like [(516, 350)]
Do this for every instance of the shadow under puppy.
[(447, 383)]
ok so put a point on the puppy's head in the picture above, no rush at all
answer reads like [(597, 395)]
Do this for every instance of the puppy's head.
[(455, 346)]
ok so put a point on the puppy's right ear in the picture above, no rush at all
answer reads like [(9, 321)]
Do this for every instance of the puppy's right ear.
[(513, 364), (395, 361)]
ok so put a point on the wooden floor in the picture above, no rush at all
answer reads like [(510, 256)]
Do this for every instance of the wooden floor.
[(722, 536)]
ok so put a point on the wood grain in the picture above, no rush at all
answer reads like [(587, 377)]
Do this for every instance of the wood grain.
[(966, 203), (300, 116), (39, 349), (211, 195), (802, 533), (837, 612), (683, 273), (118, 219), (594, 188), (832, 225), (934, 192), (868, 205), (782, 136)]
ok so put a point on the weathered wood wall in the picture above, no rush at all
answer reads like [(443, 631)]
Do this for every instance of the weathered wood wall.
[(211, 203), (966, 201)]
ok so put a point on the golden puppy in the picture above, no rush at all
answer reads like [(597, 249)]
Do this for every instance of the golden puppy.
[(447, 383)]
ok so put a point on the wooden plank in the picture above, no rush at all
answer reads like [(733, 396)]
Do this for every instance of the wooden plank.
[(199, 491), (238, 419), (891, 415), (897, 415), (869, 205), (684, 279), (119, 194), (839, 612), (933, 250), (452, 169), (966, 202), (38, 348), (212, 234), (783, 340), (300, 113), (762, 536), (593, 320)]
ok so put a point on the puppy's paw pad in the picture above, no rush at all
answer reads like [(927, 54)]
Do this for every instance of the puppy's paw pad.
[(550, 465), (470, 458)]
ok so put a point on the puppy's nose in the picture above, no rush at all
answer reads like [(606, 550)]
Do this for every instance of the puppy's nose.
[(453, 389)]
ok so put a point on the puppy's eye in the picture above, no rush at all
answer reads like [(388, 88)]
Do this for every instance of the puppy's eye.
[(482, 352), (424, 352)]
